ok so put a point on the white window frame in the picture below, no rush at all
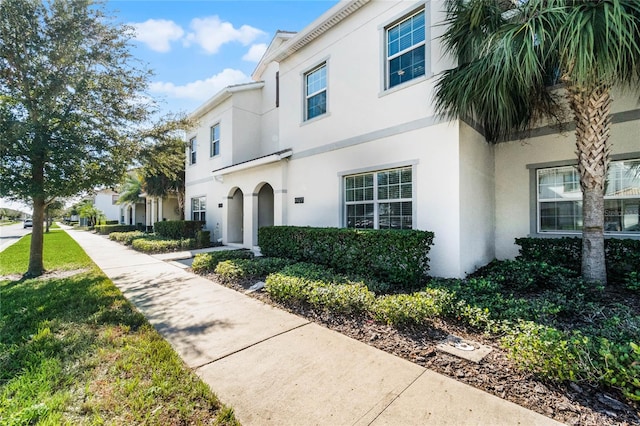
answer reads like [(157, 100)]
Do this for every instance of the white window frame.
[(213, 143), (193, 147), (578, 198), (424, 8), (376, 201), (308, 96), (201, 210)]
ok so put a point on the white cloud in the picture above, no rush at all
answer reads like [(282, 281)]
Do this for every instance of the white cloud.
[(158, 33), (210, 33), (255, 52), (201, 89)]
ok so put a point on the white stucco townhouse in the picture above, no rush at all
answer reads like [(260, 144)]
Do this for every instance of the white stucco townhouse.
[(339, 130)]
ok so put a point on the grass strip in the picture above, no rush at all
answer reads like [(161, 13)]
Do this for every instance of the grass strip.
[(75, 351)]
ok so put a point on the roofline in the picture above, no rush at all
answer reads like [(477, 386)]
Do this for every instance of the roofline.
[(317, 28), (223, 95), (263, 63)]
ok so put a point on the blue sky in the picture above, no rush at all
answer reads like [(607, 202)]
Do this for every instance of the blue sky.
[(196, 48)]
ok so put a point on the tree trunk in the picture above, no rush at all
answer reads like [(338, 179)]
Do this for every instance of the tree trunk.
[(592, 109), (36, 265), (46, 219)]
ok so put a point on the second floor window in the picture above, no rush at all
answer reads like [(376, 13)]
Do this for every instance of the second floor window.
[(192, 150), (215, 141), (406, 49), (315, 83)]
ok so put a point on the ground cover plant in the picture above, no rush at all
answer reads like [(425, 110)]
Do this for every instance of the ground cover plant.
[(75, 351), (564, 348)]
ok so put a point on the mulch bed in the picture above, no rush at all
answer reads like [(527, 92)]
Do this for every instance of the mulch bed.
[(568, 403)]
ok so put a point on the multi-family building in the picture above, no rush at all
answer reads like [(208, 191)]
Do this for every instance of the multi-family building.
[(338, 129)]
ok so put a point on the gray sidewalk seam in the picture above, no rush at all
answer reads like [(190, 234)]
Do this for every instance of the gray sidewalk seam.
[(197, 367), (388, 404)]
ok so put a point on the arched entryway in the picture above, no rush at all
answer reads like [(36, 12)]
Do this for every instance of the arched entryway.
[(235, 220), (265, 206)]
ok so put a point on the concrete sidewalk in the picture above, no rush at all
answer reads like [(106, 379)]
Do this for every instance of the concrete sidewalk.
[(273, 367)]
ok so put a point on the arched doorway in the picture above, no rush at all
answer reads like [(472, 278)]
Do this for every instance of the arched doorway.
[(235, 221), (265, 206)]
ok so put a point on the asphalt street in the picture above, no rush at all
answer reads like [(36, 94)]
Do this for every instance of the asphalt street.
[(9, 234)]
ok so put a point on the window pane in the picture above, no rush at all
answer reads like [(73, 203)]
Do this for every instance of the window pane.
[(559, 183), (350, 182), (623, 178), (317, 105), (622, 215), (316, 81), (407, 66), (383, 192), (561, 216), (406, 191)]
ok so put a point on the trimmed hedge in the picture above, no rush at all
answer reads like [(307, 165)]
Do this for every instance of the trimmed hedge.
[(152, 245), (396, 256), (176, 229), (107, 229), (207, 262), (250, 268), (126, 238), (622, 255)]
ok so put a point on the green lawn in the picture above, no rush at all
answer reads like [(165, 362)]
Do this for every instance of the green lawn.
[(74, 350), (60, 253)]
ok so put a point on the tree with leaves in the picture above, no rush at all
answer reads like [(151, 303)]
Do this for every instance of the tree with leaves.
[(161, 162), (90, 212), (70, 101), (508, 51)]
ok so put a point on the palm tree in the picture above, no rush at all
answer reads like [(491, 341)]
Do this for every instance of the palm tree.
[(507, 50), (131, 190)]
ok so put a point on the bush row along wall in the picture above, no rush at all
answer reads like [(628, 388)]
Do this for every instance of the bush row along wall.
[(396, 256), (622, 255), (107, 229), (176, 229)]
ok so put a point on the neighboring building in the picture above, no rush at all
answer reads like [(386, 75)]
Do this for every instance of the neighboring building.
[(106, 200), (149, 211), (339, 130)]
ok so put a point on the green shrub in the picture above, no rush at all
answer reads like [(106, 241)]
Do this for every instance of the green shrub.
[(632, 282), (549, 352), (622, 255), (207, 262), (250, 268), (126, 238), (177, 229), (203, 238), (524, 275), (155, 245), (337, 297), (413, 309), (108, 229), (286, 288), (621, 365), (310, 271), (344, 298), (398, 257), (559, 355)]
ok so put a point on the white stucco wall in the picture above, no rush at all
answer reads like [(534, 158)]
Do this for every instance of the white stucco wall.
[(477, 200), (103, 202)]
